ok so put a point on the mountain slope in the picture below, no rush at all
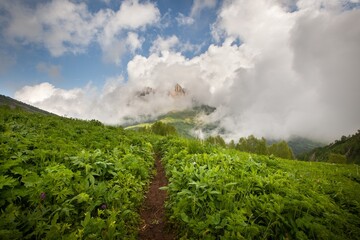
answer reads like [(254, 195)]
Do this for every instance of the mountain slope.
[(185, 122), (301, 145), (345, 150), (12, 103)]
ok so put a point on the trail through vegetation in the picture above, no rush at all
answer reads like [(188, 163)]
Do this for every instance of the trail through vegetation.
[(153, 220), (65, 178)]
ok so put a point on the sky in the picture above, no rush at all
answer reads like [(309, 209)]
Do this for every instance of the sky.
[(272, 68)]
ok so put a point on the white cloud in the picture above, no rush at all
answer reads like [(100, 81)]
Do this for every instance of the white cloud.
[(184, 20), (53, 71), (60, 25), (305, 59), (132, 15), (63, 26), (199, 5), (133, 41), (111, 105), (161, 45), (35, 94), (164, 44)]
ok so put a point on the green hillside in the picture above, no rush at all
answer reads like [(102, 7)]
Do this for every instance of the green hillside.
[(12, 103), (64, 178), (345, 150), (301, 145), (185, 121)]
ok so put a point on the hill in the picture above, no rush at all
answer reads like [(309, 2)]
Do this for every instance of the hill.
[(344, 150), (12, 103), (186, 122), (66, 178), (299, 145)]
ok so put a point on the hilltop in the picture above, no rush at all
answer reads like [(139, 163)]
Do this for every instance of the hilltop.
[(12, 103)]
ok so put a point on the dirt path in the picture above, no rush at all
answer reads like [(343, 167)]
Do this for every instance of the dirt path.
[(153, 225)]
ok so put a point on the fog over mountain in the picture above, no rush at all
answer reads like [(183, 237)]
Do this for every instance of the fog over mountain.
[(276, 69)]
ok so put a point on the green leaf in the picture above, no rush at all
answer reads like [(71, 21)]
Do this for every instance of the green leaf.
[(7, 181), (184, 217)]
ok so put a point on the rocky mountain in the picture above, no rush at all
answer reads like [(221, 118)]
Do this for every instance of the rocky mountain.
[(178, 91), (146, 91)]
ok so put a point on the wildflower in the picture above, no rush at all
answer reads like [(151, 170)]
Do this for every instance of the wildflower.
[(103, 206), (42, 196)]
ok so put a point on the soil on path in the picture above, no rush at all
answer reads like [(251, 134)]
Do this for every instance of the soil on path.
[(153, 220)]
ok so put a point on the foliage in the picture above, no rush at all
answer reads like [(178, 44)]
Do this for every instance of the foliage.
[(347, 146), (162, 129), (281, 149), (252, 145), (301, 145), (216, 193), (336, 158), (69, 179), (216, 140)]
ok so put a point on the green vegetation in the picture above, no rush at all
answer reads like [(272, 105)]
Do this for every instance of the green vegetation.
[(69, 179), (216, 140), (345, 150), (252, 144), (216, 193), (281, 149), (64, 178), (185, 122), (301, 146)]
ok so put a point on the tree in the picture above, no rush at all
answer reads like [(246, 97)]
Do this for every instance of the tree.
[(252, 145), (281, 149), (163, 129), (217, 140), (336, 158), (231, 144)]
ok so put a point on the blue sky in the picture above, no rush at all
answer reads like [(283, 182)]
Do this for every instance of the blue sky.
[(272, 68), (76, 70)]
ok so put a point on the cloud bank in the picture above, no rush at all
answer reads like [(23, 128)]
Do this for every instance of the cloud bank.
[(279, 68)]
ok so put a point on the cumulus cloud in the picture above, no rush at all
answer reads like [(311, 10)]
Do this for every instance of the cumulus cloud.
[(164, 44), (304, 66), (116, 103), (132, 15), (53, 71), (63, 26)]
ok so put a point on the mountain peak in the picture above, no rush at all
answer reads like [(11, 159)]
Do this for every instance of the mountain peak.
[(178, 91)]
